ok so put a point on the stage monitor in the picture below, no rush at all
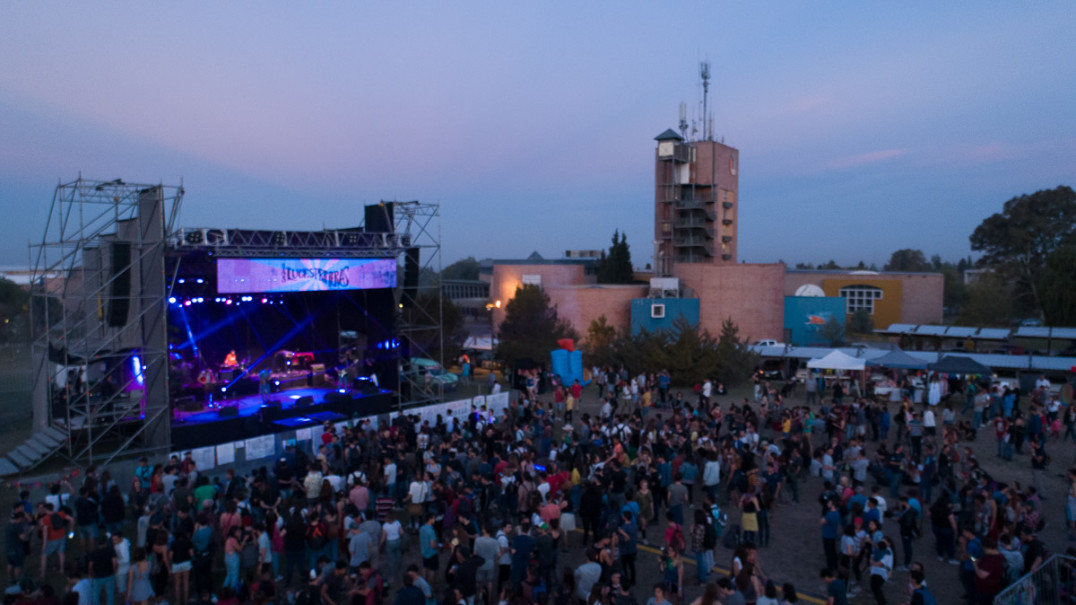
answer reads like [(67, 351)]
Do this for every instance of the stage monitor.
[(260, 275)]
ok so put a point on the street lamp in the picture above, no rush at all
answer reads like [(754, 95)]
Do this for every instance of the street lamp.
[(490, 306)]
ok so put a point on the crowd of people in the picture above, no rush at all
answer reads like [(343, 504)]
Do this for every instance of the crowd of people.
[(490, 509)]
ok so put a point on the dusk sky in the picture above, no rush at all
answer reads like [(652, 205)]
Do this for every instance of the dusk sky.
[(863, 127)]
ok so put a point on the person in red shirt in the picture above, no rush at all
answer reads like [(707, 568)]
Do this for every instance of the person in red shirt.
[(577, 390), (55, 528), (989, 571)]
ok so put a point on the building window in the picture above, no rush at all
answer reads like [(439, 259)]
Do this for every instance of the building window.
[(860, 297)]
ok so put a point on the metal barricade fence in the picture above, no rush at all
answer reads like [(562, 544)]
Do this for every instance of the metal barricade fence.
[(1053, 583)]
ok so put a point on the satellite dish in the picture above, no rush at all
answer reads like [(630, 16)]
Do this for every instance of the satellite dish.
[(809, 290)]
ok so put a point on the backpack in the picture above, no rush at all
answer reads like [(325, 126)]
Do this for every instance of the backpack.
[(678, 539), (718, 520), (709, 538), (315, 537), (732, 537), (57, 521)]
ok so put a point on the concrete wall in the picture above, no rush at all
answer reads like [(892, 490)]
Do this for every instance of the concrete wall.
[(923, 299), (581, 305), (506, 278), (751, 294)]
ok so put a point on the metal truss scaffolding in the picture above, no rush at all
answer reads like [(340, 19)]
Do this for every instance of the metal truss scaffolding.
[(419, 301), (100, 339)]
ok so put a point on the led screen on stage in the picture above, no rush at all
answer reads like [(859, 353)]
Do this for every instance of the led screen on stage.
[(259, 275)]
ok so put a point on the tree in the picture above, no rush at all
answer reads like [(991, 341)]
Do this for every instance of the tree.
[(861, 322), (1057, 284), (531, 327), (14, 304), (615, 267), (1018, 240), (989, 302), (466, 269), (832, 332), (735, 361), (600, 346), (907, 259)]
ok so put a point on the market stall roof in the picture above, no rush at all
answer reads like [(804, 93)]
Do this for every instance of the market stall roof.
[(898, 359), (959, 364), (837, 360), (1045, 332), (958, 332), (993, 334)]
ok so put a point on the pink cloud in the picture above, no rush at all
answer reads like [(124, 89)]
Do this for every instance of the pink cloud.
[(862, 159)]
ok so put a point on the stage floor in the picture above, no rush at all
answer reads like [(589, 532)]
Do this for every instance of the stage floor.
[(207, 426), (250, 404)]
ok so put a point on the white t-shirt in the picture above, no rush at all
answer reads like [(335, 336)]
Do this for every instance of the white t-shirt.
[(506, 558), (390, 473), (418, 490), (392, 530)]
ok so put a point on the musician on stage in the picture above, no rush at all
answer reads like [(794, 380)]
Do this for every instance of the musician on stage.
[(230, 360), (264, 388), (207, 378)]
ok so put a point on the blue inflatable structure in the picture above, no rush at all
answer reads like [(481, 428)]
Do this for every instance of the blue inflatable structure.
[(568, 365)]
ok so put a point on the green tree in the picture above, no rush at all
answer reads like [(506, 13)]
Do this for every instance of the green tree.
[(531, 326), (861, 322), (832, 332), (600, 346), (615, 267), (466, 269), (14, 305), (989, 302), (1018, 240), (735, 362), (907, 259), (1057, 284)]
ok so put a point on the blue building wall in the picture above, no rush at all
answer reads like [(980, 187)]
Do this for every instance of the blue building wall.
[(674, 308), (805, 315)]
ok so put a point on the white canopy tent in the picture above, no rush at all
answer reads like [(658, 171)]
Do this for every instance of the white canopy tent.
[(837, 360)]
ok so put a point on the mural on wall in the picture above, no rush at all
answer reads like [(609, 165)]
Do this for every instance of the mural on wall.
[(807, 316)]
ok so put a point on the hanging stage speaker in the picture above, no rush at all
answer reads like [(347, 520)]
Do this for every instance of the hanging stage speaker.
[(119, 291), (410, 280), (380, 218)]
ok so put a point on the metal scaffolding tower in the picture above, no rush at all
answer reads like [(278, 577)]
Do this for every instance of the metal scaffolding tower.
[(419, 300), (100, 355)]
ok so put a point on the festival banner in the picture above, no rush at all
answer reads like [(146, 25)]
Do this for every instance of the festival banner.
[(261, 275)]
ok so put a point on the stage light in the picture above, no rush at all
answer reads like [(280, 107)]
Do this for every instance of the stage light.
[(276, 383), (342, 390), (228, 301), (294, 396), (224, 389), (136, 365), (182, 281), (265, 300), (199, 281), (186, 303), (171, 300)]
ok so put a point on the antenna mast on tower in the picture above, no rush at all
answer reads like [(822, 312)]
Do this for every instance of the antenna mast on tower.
[(707, 126), (683, 120)]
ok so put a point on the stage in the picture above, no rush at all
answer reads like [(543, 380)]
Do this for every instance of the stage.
[(247, 416)]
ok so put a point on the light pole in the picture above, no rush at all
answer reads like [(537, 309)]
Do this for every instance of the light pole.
[(490, 306)]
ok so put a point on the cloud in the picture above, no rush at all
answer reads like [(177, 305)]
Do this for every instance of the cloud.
[(862, 159)]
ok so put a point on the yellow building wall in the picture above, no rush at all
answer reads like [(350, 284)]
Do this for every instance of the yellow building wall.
[(887, 309)]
